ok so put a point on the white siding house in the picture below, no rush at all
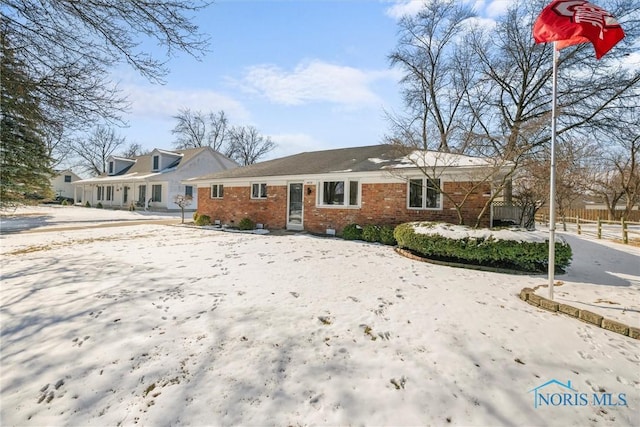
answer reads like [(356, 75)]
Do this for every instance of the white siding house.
[(62, 183), (151, 181)]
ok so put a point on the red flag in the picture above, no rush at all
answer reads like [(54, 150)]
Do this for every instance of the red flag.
[(570, 22)]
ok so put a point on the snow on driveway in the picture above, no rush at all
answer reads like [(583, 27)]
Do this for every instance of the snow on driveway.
[(162, 325)]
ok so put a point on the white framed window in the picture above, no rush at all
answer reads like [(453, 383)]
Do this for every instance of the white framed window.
[(217, 191), (339, 193), (424, 193), (156, 192), (67, 178), (100, 195), (111, 168), (188, 191), (109, 192), (259, 190), (156, 162)]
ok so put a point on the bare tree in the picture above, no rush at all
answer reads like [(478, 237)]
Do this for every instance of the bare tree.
[(58, 145), (247, 146), (511, 104), (487, 92), (197, 129), (94, 151), (183, 201), (616, 175), (191, 129), (70, 46), (134, 149), (218, 130), (436, 75)]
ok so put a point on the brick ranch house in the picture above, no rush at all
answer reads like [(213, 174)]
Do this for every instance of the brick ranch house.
[(326, 190)]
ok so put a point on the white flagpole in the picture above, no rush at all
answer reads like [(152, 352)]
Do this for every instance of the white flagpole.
[(552, 189)]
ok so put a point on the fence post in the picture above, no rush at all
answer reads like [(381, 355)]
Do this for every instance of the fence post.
[(625, 233), (599, 228), (578, 224), (564, 223)]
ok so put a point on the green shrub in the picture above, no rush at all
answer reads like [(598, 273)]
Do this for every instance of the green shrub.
[(386, 235), (246, 224), (203, 220), (352, 232), (99, 205), (523, 256), (195, 216), (87, 205), (371, 233), (64, 203), (132, 207)]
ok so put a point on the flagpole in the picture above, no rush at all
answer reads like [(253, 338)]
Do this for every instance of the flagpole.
[(552, 184)]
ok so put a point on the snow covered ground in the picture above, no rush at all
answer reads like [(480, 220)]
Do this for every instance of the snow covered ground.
[(164, 325)]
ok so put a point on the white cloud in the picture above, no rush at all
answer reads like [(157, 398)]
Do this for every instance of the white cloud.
[(487, 23), (158, 101), (631, 62), (402, 8), (315, 81), (497, 8)]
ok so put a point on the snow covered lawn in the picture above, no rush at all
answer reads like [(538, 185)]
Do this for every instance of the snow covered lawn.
[(165, 325)]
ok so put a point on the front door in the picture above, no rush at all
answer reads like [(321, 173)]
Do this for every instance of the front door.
[(295, 206)]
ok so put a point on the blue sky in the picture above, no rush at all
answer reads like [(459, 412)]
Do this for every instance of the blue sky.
[(311, 74)]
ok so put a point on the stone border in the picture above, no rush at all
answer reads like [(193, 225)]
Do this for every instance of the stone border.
[(528, 295), (408, 254)]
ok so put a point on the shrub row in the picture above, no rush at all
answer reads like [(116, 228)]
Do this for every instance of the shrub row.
[(370, 233), (524, 256)]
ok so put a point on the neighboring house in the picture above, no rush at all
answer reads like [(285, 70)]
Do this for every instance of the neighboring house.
[(326, 190), (151, 181), (62, 183)]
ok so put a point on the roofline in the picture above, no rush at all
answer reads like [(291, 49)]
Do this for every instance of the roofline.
[(386, 173)]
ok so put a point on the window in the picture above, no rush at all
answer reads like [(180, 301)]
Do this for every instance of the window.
[(217, 191), (424, 193), (259, 191), (156, 163), (339, 193), (110, 168), (100, 195), (109, 192), (67, 178), (156, 193), (188, 191)]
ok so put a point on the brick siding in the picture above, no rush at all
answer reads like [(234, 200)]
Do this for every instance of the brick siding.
[(382, 204)]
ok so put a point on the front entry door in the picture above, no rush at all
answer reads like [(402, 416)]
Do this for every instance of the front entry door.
[(295, 206)]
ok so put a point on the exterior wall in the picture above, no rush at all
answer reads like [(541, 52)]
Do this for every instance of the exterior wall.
[(237, 204), (381, 204), (61, 188)]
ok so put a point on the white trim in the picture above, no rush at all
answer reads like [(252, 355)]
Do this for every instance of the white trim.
[(347, 194), (211, 196), (261, 196), (424, 187), (289, 225)]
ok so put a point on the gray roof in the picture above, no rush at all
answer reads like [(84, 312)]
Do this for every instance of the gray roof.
[(142, 163), (354, 159), (370, 158)]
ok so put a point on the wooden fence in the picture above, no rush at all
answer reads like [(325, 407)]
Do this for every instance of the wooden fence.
[(623, 230), (593, 214)]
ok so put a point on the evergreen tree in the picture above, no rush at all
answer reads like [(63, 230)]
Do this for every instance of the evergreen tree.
[(24, 161)]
